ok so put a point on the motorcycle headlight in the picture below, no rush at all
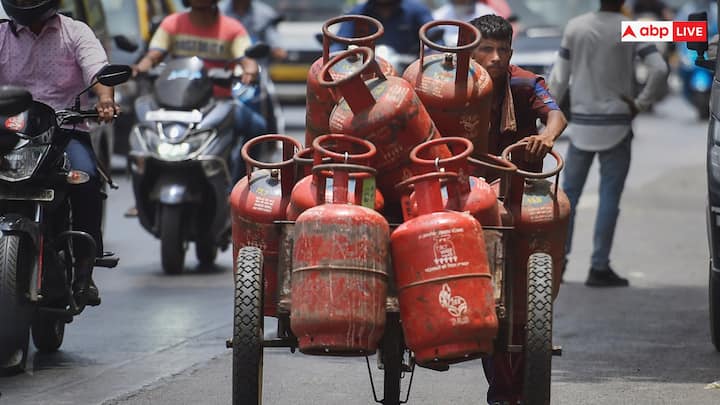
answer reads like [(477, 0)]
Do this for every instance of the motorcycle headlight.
[(20, 163), (190, 147)]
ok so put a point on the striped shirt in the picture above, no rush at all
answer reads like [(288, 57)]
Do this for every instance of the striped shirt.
[(602, 71), (218, 44)]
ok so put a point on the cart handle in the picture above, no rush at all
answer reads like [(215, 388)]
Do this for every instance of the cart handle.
[(533, 175)]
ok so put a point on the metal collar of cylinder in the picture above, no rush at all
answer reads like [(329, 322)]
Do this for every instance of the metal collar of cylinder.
[(367, 40)]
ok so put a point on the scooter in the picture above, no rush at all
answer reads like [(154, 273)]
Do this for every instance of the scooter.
[(37, 260), (696, 80), (179, 161)]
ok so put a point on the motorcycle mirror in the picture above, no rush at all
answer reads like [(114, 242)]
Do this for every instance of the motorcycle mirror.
[(701, 46), (258, 51), (126, 44), (14, 100), (112, 75)]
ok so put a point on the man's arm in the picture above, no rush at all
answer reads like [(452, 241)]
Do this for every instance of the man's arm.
[(91, 57), (106, 106), (559, 80), (151, 58), (159, 46), (657, 77), (549, 113)]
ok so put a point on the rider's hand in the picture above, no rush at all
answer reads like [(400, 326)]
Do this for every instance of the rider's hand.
[(249, 77), (537, 147), (107, 109)]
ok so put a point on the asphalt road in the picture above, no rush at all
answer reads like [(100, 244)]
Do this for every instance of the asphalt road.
[(160, 340)]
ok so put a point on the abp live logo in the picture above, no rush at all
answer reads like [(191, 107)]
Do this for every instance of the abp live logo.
[(663, 31)]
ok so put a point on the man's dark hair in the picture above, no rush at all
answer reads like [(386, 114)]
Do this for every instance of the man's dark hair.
[(493, 26), (612, 4)]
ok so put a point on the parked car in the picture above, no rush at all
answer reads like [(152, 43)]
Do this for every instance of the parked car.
[(92, 13), (713, 184), (137, 21)]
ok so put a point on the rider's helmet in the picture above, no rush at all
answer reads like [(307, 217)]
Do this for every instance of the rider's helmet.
[(27, 12)]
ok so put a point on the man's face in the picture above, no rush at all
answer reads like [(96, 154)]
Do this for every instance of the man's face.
[(494, 55)]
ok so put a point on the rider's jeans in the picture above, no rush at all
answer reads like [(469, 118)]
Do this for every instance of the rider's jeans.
[(85, 198), (248, 124), (614, 166)]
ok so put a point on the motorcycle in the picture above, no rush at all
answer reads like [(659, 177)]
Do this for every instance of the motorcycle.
[(179, 159), (696, 80), (36, 246)]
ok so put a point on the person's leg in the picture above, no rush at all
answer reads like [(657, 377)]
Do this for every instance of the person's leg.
[(86, 204), (247, 124), (614, 167), (575, 172)]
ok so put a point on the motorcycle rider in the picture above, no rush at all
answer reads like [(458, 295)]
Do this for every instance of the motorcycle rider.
[(219, 41), (401, 20), (56, 58), (257, 18)]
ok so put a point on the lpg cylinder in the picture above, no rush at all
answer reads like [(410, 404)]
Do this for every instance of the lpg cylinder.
[(339, 272), (468, 193), (258, 199), (445, 288), (456, 90), (384, 110), (319, 101), (333, 148), (541, 211)]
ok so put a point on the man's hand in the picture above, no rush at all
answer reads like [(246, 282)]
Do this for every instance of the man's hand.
[(107, 109), (250, 71), (634, 110), (537, 147)]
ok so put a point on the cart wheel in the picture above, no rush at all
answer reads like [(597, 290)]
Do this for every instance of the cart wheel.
[(248, 328), (393, 349), (714, 295), (538, 330)]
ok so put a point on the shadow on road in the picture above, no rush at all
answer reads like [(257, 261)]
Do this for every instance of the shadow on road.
[(654, 335)]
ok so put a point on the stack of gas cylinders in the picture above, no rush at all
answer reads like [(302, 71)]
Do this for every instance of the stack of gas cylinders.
[(384, 149)]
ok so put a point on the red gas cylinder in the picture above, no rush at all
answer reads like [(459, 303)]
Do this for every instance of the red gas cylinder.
[(257, 200), (468, 193), (384, 110), (445, 288), (541, 211), (456, 91), (319, 100), (339, 272), (332, 148)]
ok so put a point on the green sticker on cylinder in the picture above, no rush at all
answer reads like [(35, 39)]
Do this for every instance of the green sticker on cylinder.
[(368, 193)]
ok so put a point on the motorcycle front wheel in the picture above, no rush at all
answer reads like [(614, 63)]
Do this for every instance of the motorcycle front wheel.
[(172, 243), (15, 311)]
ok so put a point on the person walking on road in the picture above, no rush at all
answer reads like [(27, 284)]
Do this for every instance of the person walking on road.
[(596, 70)]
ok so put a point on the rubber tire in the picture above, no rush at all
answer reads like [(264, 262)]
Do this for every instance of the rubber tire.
[(714, 298), (47, 333), (206, 251), (702, 104), (15, 314), (248, 326), (172, 245), (538, 331), (393, 349)]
